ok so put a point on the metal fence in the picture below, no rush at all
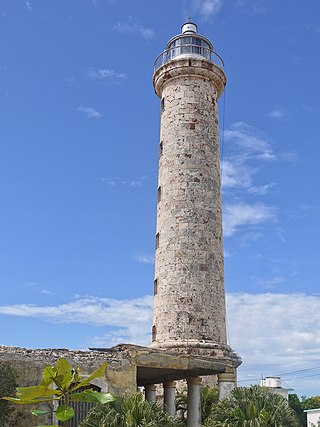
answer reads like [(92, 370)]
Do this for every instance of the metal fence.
[(188, 50)]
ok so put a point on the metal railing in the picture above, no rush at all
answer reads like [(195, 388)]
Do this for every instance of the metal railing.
[(188, 50)]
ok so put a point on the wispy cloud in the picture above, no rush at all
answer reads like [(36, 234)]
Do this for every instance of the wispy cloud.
[(248, 150), (105, 75), (278, 113), (261, 189), (250, 139), (270, 331), (28, 6), (144, 259), (257, 6), (206, 8), (90, 112), (120, 182), (270, 283), (133, 27), (89, 310), (238, 215), (36, 288)]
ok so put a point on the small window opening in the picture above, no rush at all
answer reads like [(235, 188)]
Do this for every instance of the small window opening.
[(160, 149), (155, 286), (162, 105), (157, 240), (154, 333), (159, 194)]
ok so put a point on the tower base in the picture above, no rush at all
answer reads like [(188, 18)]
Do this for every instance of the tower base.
[(197, 348)]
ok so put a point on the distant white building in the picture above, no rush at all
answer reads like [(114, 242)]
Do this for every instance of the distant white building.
[(274, 385), (313, 417)]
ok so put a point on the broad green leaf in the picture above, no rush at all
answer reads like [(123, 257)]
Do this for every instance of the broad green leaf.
[(34, 392), (92, 396), (38, 413), (48, 426), (64, 413), (100, 372), (49, 374), (31, 401), (65, 372)]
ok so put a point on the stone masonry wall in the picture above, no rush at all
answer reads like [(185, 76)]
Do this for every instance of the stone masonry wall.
[(189, 302), (29, 365)]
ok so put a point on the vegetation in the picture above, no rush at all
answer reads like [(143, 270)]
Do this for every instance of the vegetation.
[(60, 384), (296, 406), (209, 396), (252, 407), (8, 384), (310, 402), (130, 411)]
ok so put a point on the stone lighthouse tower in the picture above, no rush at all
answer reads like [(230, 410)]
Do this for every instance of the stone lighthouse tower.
[(189, 297)]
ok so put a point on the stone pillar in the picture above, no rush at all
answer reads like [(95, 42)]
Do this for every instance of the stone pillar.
[(170, 397), (227, 381), (193, 408), (150, 393)]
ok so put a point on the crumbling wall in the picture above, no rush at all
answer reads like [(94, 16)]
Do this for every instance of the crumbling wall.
[(29, 365)]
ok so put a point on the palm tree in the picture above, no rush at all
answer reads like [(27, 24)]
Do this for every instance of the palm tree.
[(252, 407), (130, 411)]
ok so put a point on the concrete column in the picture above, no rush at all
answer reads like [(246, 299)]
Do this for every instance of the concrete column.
[(193, 408), (150, 393), (227, 381), (169, 401)]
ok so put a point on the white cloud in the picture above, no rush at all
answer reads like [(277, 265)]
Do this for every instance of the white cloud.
[(241, 214), (120, 182), (257, 6), (250, 139), (278, 113), (129, 315), (133, 27), (28, 6), (273, 333), (144, 259), (248, 150), (90, 112), (36, 288), (105, 75), (236, 172), (206, 8), (261, 189)]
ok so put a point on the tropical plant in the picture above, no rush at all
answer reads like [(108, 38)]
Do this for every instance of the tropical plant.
[(60, 384), (130, 411), (252, 407), (8, 384), (296, 406), (310, 402)]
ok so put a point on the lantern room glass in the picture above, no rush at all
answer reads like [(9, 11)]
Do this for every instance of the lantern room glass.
[(189, 45)]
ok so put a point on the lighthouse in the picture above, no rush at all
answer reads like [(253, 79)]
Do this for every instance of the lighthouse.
[(189, 298)]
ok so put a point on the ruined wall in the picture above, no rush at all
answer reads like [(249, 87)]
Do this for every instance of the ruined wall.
[(29, 365)]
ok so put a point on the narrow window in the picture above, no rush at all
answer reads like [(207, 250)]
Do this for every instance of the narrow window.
[(155, 287), (162, 105), (159, 194), (157, 240), (154, 333), (160, 149)]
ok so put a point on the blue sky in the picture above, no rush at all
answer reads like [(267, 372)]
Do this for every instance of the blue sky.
[(79, 131)]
